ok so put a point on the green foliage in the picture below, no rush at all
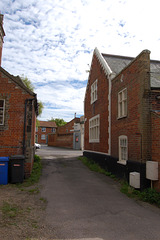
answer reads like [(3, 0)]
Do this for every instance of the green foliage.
[(36, 171), (151, 196), (34, 190), (128, 190), (40, 108), (10, 210), (148, 195), (35, 175), (59, 121), (94, 166), (37, 123), (27, 82), (29, 85), (44, 200)]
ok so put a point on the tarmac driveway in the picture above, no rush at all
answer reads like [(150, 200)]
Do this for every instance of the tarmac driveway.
[(85, 204)]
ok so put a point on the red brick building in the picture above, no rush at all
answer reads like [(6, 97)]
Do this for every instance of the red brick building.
[(122, 123), (69, 136), (18, 110), (42, 131)]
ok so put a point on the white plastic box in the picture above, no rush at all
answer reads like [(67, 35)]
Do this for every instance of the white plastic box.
[(134, 179), (152, 170)]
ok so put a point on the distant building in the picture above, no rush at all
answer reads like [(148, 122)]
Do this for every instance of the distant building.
[(42, 131), (70, 135)]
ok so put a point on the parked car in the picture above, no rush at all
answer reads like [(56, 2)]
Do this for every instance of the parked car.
[(37, 146)]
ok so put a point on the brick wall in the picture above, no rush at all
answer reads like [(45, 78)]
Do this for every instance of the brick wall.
[(12, 132), (98, 107), (136, 126), (156, 144), (40, 133), (64, 135), (65, 140)]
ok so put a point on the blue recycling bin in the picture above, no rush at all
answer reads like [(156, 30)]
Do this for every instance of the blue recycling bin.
[(4, 170)]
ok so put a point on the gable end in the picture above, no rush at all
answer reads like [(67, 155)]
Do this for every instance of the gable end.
[(104, 64)]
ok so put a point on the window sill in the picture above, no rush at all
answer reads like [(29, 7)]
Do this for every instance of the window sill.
[(93, 141), (93, 101), (123, 162), (125, 116)]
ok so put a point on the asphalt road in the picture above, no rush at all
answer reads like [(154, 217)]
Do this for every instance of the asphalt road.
[(84, 204)]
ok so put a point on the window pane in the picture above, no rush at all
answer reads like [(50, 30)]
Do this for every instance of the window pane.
[(94, 129), (125, 107), (1, 112), (94, 92), (1, 120), (43, 137), (1, 103), (122, 103), (123, 148)]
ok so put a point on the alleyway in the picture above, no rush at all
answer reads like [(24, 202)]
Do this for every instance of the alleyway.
[(85, 204)]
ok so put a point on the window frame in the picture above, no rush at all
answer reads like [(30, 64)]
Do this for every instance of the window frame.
[(43, 129), (123, 149), (43, 137), (3, 112), (94, 129), (53, 130), (122, 103), (94, 95)]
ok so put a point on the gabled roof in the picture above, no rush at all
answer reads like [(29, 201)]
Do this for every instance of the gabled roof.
[(155, 74), (47, 124), (18, 81), (115, 64), (118, 63)]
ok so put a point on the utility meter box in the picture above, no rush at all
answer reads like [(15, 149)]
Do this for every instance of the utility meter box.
[(134, 179), (152, 170)]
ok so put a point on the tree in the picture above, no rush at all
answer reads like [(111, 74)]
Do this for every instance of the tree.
[(27, 82), (29, 85), (40, 107), (59, 121)]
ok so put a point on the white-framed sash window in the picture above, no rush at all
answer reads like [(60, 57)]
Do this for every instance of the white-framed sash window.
[(122, 103), (94, 91), (123, 149), (94, 129), (43, 137)]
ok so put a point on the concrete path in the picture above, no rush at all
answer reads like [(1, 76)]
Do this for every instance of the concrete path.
[(87, 205)]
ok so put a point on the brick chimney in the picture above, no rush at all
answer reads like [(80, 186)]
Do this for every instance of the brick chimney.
[(2, 34)]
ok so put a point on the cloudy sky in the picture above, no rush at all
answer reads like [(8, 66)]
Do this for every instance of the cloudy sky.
[(52, 42)]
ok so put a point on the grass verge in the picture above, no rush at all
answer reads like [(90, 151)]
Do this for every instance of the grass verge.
[(95, 167), (148, 195), (35, 175)]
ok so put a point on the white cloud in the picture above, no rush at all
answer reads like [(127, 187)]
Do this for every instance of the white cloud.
[(52, 42)]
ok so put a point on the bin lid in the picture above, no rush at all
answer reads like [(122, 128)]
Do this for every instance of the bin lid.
[(4, 159), (21, 157)]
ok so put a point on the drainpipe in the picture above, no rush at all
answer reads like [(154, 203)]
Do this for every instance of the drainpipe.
[(110, 77), (109, 116), (24, 127)]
